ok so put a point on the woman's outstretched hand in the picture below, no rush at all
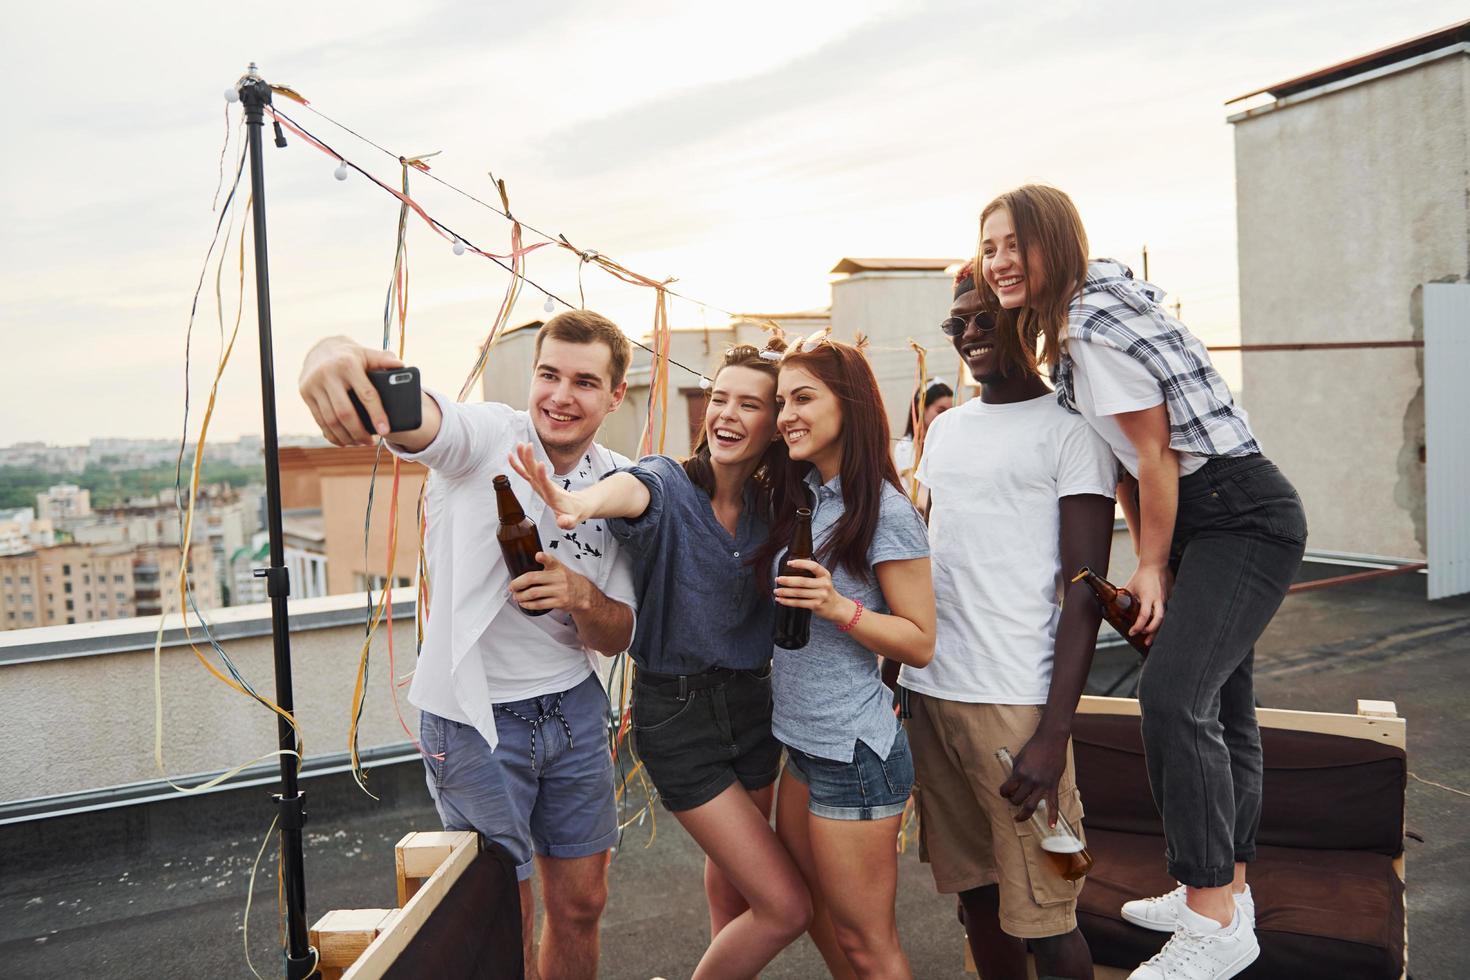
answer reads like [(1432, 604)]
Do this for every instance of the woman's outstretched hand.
[(569, 507)]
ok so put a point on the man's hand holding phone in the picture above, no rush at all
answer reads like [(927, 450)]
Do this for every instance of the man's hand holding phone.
[(345, 386)]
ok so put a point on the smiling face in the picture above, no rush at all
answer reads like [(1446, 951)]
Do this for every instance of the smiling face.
[(740, 420), (976, 346), (810, 420), (571, 393), (1014, 280)]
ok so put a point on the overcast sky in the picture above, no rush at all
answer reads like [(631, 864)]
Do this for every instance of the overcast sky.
[(744, 150)]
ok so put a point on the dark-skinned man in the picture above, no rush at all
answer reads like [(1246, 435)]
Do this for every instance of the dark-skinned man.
[(1021, 492)]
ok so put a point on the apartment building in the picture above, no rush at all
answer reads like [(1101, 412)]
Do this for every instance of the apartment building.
[(156, 577), (63, 502), (21, 531), (324, 497), (66, 584)]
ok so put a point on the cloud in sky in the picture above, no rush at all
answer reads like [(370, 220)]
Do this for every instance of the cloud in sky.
[(743, 150)]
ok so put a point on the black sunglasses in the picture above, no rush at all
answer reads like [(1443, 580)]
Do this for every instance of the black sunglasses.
[(955, 326)]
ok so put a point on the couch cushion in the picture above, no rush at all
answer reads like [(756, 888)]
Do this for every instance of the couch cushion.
[(1329, 792), (1319, 913)]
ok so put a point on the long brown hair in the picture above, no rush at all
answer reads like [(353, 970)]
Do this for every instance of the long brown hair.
[(866, 462), (772, 469), (1045, 218)]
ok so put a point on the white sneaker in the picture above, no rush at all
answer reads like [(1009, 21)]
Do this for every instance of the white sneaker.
[(1161, 913), (1201, 949)]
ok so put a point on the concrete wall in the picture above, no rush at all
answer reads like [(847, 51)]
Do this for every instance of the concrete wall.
[(890, 308), (86, 721), (1347, 203), (507, 375)]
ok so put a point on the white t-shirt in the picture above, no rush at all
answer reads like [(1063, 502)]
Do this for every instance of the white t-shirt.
[(997, 474), (479, 648), (1107, 382), (903, 461), (563, 663)]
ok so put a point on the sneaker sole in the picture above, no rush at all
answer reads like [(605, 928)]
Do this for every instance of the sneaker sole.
[(1139, 920), (1245, 960), (1143, 923)]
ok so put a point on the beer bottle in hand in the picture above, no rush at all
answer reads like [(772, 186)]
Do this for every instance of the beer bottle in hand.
[(793, 626), (1119, 607), (519, 540), (1064, 849)]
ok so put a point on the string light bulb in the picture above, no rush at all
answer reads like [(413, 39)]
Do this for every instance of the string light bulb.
[(341, 172), (231, 96), (706, 384), (549, 306), (458, 247)]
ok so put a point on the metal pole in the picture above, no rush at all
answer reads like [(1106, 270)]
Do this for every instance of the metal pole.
[(255, 95)]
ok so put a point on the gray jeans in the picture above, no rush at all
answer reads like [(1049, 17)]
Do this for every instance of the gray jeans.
[(1238, 539)]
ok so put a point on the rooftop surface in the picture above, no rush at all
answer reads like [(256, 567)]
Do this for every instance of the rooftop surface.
[(159, 890)]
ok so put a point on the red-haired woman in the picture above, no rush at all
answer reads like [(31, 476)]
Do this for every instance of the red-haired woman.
[(1219, 533), (701, 701), (849, 771)]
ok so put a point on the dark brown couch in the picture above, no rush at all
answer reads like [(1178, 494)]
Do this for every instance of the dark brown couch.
[(1329, 902)]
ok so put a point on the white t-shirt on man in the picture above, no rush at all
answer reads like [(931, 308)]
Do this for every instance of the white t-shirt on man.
[(996, 475), (512, 670), (479, 648), (1107, 382)]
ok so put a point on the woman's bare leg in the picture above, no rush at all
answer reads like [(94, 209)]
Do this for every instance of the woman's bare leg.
[(735, 833), (792, 827), (857, 868), (725, 900)]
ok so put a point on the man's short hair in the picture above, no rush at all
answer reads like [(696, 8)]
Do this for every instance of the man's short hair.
[(586, 327)]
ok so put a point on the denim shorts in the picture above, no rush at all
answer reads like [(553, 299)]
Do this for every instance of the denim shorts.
[(698, 739), (867, 788), (546, 789)]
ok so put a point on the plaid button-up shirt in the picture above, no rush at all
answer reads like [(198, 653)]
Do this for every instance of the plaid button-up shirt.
[(1121, 312)]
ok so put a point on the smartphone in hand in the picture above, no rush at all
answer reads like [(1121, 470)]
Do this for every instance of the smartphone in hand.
[(398, 389)]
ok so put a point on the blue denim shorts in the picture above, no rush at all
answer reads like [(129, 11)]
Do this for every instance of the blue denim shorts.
[(867, 788), (546, 789)]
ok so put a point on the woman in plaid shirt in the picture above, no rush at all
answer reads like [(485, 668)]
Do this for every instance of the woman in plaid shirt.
[(1219, 533)]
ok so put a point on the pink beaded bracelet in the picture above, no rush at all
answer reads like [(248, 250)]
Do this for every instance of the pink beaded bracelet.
[(857, 615)]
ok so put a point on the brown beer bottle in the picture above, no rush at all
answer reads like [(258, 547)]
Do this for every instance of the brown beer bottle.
[(519, 540), (1119, 607), (1063, 845), (794, 626)]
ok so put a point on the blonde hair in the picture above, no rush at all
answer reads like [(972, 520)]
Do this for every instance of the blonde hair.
[(1048, 229)]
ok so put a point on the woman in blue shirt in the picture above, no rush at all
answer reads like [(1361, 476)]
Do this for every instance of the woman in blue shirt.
[(849, 772), (701, 702)]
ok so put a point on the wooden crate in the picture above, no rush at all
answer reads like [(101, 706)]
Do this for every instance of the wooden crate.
[(342, 935)]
